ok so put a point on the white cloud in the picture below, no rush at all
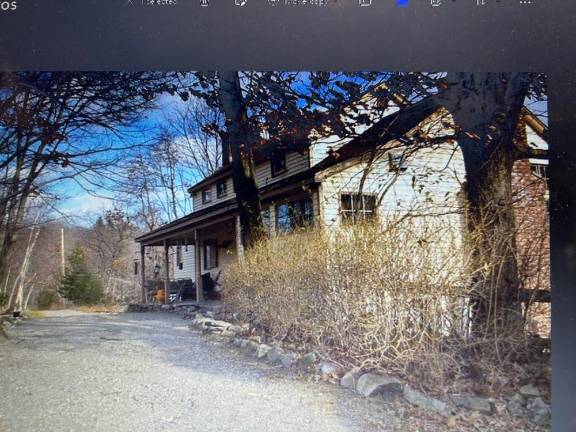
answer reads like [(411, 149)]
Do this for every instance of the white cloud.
[(86, 206)]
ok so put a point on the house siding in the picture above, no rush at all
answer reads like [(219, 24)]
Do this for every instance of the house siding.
[(295, 163), (197, 196), (188, 263), (430, 185)]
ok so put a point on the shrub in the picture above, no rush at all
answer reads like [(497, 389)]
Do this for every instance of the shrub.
[(3, 300), (47, 299), (78, 284), (390, 297)]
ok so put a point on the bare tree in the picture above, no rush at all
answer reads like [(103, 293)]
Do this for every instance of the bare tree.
[(54, 126)]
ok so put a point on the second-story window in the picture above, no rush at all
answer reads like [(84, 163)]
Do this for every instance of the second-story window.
[(397, 162), (206, 196), (278, 162), (221, 189)]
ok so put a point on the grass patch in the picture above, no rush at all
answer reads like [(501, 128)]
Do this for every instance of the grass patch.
[(33, 313), (100, 308)]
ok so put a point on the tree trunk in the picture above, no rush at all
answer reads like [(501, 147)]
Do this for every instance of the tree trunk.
[(238, 139), (486, 109)]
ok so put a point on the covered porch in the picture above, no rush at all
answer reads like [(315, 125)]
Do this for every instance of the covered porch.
[(210, 241)]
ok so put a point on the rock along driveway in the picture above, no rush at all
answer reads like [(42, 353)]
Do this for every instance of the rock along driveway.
[(73, 371)]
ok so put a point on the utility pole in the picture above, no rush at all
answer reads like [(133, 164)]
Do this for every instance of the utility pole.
[(62, 251)]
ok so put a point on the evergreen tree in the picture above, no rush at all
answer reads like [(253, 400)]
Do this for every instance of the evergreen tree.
[(78, 284)]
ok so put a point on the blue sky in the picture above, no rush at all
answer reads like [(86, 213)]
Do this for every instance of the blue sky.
[(85, 201)]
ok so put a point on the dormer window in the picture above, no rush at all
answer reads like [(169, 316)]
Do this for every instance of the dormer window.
[(206, 196), (221, 189), (396, 162), (278, 163)]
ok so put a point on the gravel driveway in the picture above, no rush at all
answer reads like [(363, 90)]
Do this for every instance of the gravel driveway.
[(73, 371)]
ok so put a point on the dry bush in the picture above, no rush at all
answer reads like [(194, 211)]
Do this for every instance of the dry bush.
[(386, 297)]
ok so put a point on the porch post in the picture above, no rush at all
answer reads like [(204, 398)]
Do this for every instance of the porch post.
[(143, 272), (239, 245), (166, 273), (197, 267)]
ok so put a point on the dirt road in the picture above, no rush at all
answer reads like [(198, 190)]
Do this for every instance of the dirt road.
[(74, 371)]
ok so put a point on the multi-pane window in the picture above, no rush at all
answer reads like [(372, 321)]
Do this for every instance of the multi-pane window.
[(278, 162), (294, 214), (221, 189), (210, 254), (206, 196), (357, 207), (539, 171)]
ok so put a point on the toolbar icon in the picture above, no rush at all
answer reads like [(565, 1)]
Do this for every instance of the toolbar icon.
[(436, 3), (204, 3), (365, 2), (240, 2)]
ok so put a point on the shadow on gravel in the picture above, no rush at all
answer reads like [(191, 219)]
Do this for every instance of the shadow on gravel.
[(167, 339)]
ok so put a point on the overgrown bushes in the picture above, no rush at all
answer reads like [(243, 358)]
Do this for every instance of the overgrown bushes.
[(390, 298), (47, 299)]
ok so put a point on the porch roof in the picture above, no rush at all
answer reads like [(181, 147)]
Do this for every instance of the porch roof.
[(175, 229), (181, 229)]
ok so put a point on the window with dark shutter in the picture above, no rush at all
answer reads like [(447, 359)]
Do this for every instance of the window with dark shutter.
[(210, 254), (278, 163), (179, 260), (221, 189)]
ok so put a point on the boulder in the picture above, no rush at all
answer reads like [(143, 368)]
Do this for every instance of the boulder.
[(420, 400), (307, 361), (274, 354), (251, 346), (539, 411), (473, 403), (288, 359), (235, 329), (350, 379), (262, 351), (381, 386), (327, 369), (529, 390), (516, 405)]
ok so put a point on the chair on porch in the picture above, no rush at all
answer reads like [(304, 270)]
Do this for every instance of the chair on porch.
[(209, 286)]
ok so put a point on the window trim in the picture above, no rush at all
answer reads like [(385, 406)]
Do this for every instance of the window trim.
[(302, 216), (277, 154), (353, 215), (221, 194), (206, 192)]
